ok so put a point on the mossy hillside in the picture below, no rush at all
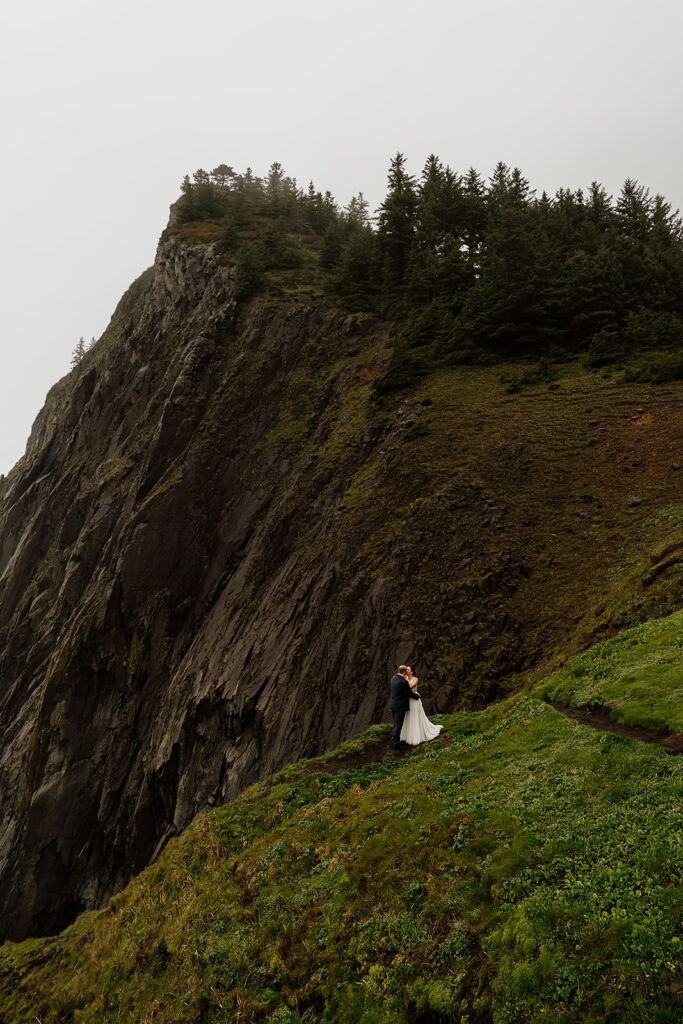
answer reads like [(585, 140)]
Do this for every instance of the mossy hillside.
[(520, 868), (638, 676), (564, 469)]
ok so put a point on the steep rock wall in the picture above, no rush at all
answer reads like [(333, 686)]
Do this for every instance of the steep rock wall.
[(218, 543)]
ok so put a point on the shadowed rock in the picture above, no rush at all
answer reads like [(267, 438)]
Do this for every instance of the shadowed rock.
[(218, 544)]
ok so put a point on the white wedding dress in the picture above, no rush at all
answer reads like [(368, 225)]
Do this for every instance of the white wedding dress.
[(416, 726)]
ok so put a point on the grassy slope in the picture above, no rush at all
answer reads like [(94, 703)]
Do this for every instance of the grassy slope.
[(638, 676), (519, 868)]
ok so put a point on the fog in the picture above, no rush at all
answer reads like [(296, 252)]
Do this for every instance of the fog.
[(104, 109)]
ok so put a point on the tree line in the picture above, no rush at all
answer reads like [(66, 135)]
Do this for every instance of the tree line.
[(205, 195), (473, 268)]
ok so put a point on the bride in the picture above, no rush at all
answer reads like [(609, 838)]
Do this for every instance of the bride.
[(416, 726)]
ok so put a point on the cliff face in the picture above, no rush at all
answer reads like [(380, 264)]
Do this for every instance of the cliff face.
[(220, 540)]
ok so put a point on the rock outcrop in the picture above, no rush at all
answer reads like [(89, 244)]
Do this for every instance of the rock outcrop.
[(217, 544)]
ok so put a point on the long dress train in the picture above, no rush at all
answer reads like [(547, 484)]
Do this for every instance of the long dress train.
[(416, 726)]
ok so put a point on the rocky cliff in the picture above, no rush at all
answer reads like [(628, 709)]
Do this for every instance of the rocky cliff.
[(221, 538)]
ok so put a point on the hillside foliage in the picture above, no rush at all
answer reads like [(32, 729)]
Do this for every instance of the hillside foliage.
[(471, 269), (521, 868)]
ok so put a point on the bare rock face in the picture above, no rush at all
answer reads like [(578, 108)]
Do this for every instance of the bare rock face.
[(215, 547)]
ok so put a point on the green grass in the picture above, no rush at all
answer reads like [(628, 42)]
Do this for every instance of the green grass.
[(521, 868), (638, 675)]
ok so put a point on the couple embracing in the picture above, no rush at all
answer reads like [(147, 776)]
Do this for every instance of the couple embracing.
[(411, 725)]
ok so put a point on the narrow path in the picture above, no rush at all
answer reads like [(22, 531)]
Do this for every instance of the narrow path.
[(595, 718), (376, 750), (600, 718)]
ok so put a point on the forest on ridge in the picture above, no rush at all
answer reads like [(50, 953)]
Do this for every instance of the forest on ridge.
[(475, 270)]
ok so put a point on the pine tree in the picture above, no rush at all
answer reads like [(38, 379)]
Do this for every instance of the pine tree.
[(396, 223), (357, 275), (595, 295), (78, 352), (599, 208), (499, 185), (274, 183), (519, 193), (249, 274), (186, 203), (223, 174), (206, 200), (475, 219), (357, 213), (333, 242), (633, 210), (430, 213)]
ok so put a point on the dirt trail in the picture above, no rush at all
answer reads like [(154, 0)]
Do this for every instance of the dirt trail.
[(596, 718), (377, 750), (600, 718)]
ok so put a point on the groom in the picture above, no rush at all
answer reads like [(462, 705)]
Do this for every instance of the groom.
[(401, 693)]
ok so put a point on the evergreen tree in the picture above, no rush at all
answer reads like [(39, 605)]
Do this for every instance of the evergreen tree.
[(329, 208), (357, 213), (499, 185), (186, 204), (229, 237), (595, 294), (667, 226), (633, 210), (319, 210), (223, 174), (475, 219), (274, 183), (396, 223), (249, 186), (358, 273), (78, 352), (599, 208), (519, 192), (430, 227), (201, 199), (333, 242), (437, 268), (250, 270)]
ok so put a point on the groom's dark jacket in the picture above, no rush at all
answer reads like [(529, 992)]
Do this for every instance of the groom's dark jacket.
[(400, 694)]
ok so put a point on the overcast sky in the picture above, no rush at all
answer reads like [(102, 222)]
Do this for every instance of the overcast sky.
[(106, 107)]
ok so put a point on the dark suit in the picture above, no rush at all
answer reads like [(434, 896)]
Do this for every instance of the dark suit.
[(401, 695)]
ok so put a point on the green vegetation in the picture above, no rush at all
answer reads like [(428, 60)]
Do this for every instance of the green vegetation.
[(566, 497), (521, 868), (468, 270), (638, 675)]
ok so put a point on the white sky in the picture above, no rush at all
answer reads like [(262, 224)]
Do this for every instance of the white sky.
[(104, 108)]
